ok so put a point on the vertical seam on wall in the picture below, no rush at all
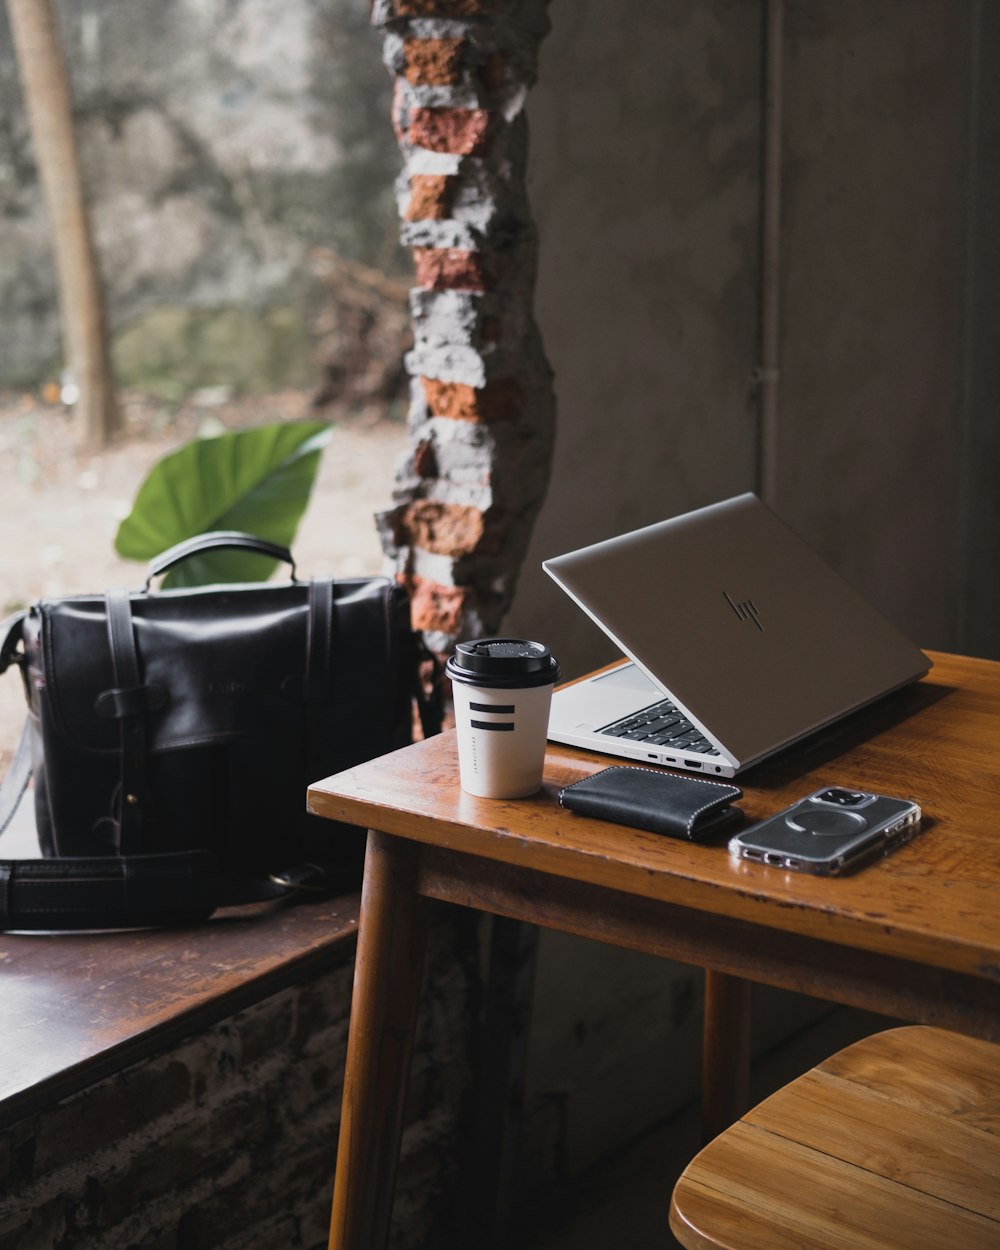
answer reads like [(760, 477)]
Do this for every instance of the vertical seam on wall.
[(960, 533), (768, 372)]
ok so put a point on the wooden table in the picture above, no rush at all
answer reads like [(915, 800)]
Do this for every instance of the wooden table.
[(915, 935)]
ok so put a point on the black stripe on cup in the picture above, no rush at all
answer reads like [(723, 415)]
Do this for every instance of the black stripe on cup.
[(493, 724), (510, 708)]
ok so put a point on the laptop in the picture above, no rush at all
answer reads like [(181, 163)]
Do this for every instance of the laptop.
[(739, 640)]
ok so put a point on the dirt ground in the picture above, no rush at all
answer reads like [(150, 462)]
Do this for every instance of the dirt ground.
[(59, 509)]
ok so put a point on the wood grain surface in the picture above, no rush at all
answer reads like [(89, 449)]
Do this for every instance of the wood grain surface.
[(933, 902), (893, 1143)]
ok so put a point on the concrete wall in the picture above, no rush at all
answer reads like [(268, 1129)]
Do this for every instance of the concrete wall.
[(645, 183), (645, 180), (219, 147)]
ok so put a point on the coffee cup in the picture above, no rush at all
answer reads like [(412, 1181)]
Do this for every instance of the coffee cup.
[(502, 691)]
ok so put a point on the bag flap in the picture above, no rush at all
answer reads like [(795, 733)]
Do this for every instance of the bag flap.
[(218, 663)]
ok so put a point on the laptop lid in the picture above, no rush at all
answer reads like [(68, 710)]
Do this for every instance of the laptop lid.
[(741, 622)]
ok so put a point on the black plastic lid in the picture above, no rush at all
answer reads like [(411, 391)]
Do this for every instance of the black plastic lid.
[(503, 662)]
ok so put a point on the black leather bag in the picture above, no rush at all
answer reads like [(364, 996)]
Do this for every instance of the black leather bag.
[(172, 735)]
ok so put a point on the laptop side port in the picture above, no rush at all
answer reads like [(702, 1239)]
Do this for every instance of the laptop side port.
[(692, 763)]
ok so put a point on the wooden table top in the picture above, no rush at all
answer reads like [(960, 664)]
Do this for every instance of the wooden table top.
[(935, 901), (80, 1006)]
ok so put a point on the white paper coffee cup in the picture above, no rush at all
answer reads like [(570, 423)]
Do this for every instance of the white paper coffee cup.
[(502, 691)]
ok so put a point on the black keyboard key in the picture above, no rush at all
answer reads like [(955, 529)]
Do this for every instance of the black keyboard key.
[(662, 725)]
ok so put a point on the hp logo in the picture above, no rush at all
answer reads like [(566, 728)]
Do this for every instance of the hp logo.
[(746, 611)]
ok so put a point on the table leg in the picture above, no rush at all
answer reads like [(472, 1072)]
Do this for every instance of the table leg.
[(725, 1071), (392, 940), (500, 1083)]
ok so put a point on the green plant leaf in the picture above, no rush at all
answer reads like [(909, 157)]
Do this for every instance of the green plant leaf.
[(257, 480)]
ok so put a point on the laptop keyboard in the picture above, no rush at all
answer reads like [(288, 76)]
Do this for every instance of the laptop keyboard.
[(662, 725)]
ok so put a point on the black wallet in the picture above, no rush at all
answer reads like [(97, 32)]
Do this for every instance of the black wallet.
[(681, 807)]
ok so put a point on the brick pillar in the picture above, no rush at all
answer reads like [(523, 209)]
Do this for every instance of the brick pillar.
[(482, 409)]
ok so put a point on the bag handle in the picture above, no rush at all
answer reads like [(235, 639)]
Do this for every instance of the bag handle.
[(11, 632), (14, 784), (216, 540)]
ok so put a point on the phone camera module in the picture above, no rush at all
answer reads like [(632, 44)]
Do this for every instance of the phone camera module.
[(843, 798)]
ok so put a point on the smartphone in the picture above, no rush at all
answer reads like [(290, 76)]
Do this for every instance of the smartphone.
[(830, 831)]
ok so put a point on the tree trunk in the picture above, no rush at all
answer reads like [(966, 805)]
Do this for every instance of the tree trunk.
[(34, 25)]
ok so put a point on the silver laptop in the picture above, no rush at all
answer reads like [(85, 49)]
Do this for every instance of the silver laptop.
[(739, 640)]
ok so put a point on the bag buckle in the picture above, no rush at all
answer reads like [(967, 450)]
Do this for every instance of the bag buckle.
[(303, 878)]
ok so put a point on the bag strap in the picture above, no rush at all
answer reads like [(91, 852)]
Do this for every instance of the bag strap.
[(129, 709), (319, 663), (18, 775), (137, 891), (428, 686), (16, 780)]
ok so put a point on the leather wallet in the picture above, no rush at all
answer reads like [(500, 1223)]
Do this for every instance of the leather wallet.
[(680, 807)]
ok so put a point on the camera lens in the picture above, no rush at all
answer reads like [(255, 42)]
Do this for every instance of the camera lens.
[(843, 798)]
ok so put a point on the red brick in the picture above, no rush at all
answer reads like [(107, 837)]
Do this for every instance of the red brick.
[(322, 1006), (183, 1156), (447, 529), (445, 8), (263, 1031), (425, 459), (430, 197), (105, 1112), (42, 1223), (464, 132), (493, 402), (433, 62), (451, 399), (495, 70), (435, 607), (452, 269)]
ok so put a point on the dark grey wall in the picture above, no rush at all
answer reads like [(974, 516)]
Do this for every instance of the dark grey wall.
[(889, 391), (644, 161), (646, 184)]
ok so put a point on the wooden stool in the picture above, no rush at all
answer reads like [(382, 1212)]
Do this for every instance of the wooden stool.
[(892, 1144)]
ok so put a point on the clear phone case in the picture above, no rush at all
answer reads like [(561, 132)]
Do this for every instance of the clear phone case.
[(829, 832)]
